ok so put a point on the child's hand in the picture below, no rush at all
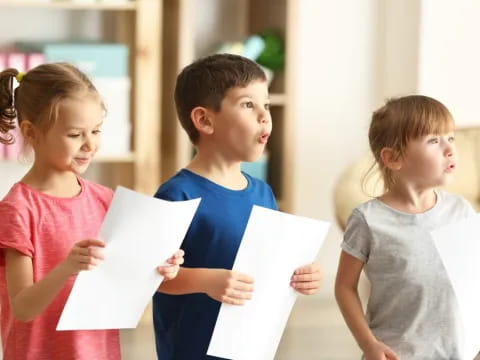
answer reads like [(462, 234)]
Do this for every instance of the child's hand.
[(380, 351), (306, 279), (169, 272), (84, 255), (229, 287)]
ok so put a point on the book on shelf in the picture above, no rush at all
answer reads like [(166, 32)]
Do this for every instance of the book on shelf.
[(91, 1)]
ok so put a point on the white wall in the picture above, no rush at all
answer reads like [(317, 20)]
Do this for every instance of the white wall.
[(400, 47), (449, 64), (339, 77)]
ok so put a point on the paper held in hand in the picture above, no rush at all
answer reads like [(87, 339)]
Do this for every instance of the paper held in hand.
[(273, 246), (141, 233)]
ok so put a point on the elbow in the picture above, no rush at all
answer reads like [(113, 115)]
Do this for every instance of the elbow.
[(340, 290), (22, 317), (20, 314)]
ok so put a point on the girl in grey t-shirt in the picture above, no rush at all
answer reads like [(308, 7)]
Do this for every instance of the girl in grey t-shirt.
[(412, 311)]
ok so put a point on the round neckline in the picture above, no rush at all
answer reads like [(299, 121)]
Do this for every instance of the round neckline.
[(53, 197), (217, 187), (404, 213)]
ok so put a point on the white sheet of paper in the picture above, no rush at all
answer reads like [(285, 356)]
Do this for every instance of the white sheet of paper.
[(140, 232), (273, 246), (459, 248)]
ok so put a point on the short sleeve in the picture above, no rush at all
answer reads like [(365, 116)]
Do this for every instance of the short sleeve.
[(170, 193), (357, 237), (15, 230), (469, 210)]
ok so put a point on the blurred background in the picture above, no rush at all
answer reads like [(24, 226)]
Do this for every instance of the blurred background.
[(330, 64)]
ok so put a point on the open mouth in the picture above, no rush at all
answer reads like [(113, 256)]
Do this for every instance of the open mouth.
[(450, 168), (264, 138)]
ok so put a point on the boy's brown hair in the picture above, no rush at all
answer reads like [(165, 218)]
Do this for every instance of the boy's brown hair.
[(206, 81), (39, 94)]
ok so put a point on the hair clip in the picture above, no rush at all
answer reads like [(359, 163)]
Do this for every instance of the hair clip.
[(20, 77)]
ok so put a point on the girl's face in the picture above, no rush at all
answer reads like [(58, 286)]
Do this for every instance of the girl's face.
[(429, 161), (71, 143)]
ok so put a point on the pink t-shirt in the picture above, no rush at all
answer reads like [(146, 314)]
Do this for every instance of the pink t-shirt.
[(45, 228)]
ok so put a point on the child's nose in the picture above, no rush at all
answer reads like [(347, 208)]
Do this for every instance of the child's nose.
[(265, 117), (449, 150), (88, 144)]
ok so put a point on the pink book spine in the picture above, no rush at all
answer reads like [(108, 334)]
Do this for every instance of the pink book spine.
[(3, 61), (17, 60)]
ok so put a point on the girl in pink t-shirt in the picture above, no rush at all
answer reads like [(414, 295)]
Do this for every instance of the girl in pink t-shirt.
[(50, 218)]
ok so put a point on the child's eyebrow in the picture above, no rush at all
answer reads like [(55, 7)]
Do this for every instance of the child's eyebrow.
[(73, 127), (239, 97)]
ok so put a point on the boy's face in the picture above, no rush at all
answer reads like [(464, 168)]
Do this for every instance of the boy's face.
[(243, 124)]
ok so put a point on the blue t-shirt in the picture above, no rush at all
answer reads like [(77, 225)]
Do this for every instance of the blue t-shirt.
[(184, 323)]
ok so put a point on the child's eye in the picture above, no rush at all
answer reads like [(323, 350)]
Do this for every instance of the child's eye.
[(248, 104), (96, 132), (433, 140), (267, 107), (73, 135), (451, 139)]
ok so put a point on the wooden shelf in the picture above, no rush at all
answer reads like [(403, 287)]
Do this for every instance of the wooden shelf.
[(121, 6), (278, 99), (193, 31), (127, 158), (138, 25), (115, 159), (280, 204)]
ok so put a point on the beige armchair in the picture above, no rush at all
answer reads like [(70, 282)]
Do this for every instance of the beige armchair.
[(348, 191)]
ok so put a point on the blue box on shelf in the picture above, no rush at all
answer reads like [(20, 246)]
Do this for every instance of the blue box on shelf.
[(257, 169)]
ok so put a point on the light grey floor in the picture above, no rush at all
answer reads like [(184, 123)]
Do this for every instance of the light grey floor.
[(315, 331)]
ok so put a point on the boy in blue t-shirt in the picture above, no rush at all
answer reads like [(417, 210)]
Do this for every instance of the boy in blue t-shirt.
[(223, 105)]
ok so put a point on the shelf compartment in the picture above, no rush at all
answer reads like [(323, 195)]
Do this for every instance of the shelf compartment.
[(121, 6), (114, 159), (278, 99)]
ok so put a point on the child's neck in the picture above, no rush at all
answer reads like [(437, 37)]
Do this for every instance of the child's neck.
[(54, 183), (410, 200), (219, 171)]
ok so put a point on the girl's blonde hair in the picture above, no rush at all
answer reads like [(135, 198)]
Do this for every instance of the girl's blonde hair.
[(401, 120), (39, 94)]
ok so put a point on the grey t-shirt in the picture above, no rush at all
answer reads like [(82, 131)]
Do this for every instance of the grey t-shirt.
[(412, 307)]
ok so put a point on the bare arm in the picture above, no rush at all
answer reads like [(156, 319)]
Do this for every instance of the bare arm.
[(222, 285), (26, 298), (29, 299), (346, 293), (187, 281)]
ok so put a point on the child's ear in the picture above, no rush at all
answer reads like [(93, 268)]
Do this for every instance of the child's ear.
[(29, 131), (201, 120), (391, 159)]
